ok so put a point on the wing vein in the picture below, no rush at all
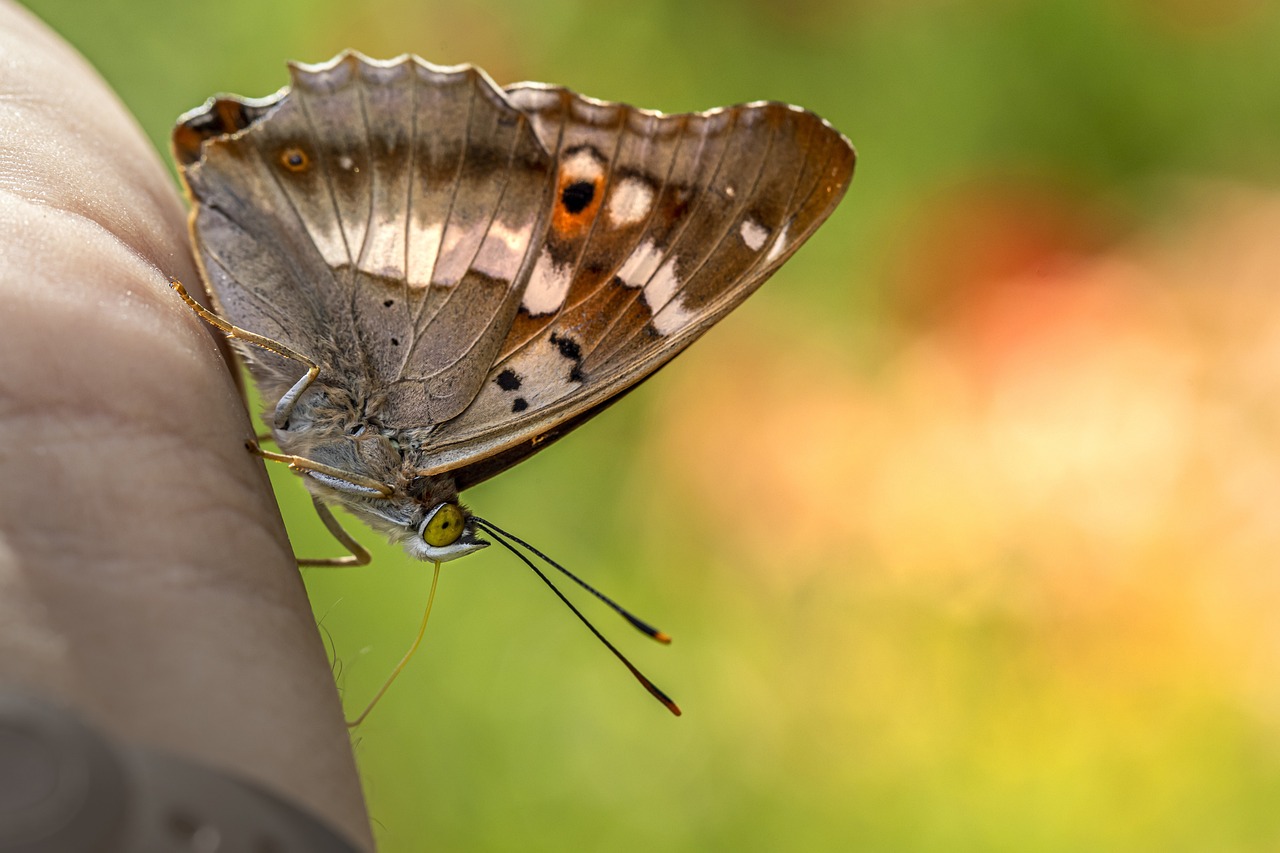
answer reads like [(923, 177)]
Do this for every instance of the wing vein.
[(679, 235), (298, 274), (493, 214), (731, 221), (408, 220), (418, 323), (328, 179)]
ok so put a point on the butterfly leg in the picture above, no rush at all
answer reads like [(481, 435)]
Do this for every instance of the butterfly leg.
[(330, 476), (286, 404), (358, 556)]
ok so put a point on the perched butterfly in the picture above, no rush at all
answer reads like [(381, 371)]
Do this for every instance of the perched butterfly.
[(439, 277)]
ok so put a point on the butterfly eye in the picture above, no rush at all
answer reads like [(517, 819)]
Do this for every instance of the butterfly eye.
[(444, 526), (294, 159)]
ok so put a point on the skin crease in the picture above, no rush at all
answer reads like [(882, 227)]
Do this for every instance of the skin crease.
[(145, 578)]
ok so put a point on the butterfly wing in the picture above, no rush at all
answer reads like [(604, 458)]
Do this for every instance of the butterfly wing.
[(377, 218), (660, 226), (489, 269)]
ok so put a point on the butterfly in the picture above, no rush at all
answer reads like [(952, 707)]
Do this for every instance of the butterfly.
[(432, 277)]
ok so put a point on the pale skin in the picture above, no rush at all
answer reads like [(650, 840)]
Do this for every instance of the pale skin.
[(145, 578)]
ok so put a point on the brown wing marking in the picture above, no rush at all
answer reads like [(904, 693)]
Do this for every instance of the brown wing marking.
[(764, 176)]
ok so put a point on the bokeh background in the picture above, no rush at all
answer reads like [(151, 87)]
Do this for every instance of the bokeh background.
[(967, 526)]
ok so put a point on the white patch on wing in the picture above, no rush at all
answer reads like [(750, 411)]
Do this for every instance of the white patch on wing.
[(324, 229), (639, 266), (548, 286), (665, 304), (581, 166), (779, 245), (753, 234), (456, 252), (675, 316), (328, 238), (629, 202), (503, 250), (383, 253), (345, 163), (424, 246)]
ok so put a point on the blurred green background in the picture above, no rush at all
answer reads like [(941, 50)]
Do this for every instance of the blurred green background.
[(966, 527)]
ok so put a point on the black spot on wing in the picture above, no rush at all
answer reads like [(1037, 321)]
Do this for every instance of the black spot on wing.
[(570, 349), (508, 380), (520, 404), (568, 346), (577, 196)]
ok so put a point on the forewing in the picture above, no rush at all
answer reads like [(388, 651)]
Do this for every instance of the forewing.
[(685, 217)]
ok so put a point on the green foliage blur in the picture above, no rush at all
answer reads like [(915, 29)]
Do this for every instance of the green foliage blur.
[(965, 527)]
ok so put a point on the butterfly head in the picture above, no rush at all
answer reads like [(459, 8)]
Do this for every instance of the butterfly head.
[(421, 513), (446, 533)]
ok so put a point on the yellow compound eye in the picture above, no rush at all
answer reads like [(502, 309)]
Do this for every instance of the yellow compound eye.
[(445, 526)]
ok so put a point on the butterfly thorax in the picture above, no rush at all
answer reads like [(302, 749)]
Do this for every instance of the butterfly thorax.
[(337, 426)]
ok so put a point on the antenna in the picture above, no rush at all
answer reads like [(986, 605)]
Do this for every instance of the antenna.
[(643, 627)]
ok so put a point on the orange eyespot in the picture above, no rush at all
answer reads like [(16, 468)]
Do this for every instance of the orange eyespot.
[(577, 202), (294, 159)]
